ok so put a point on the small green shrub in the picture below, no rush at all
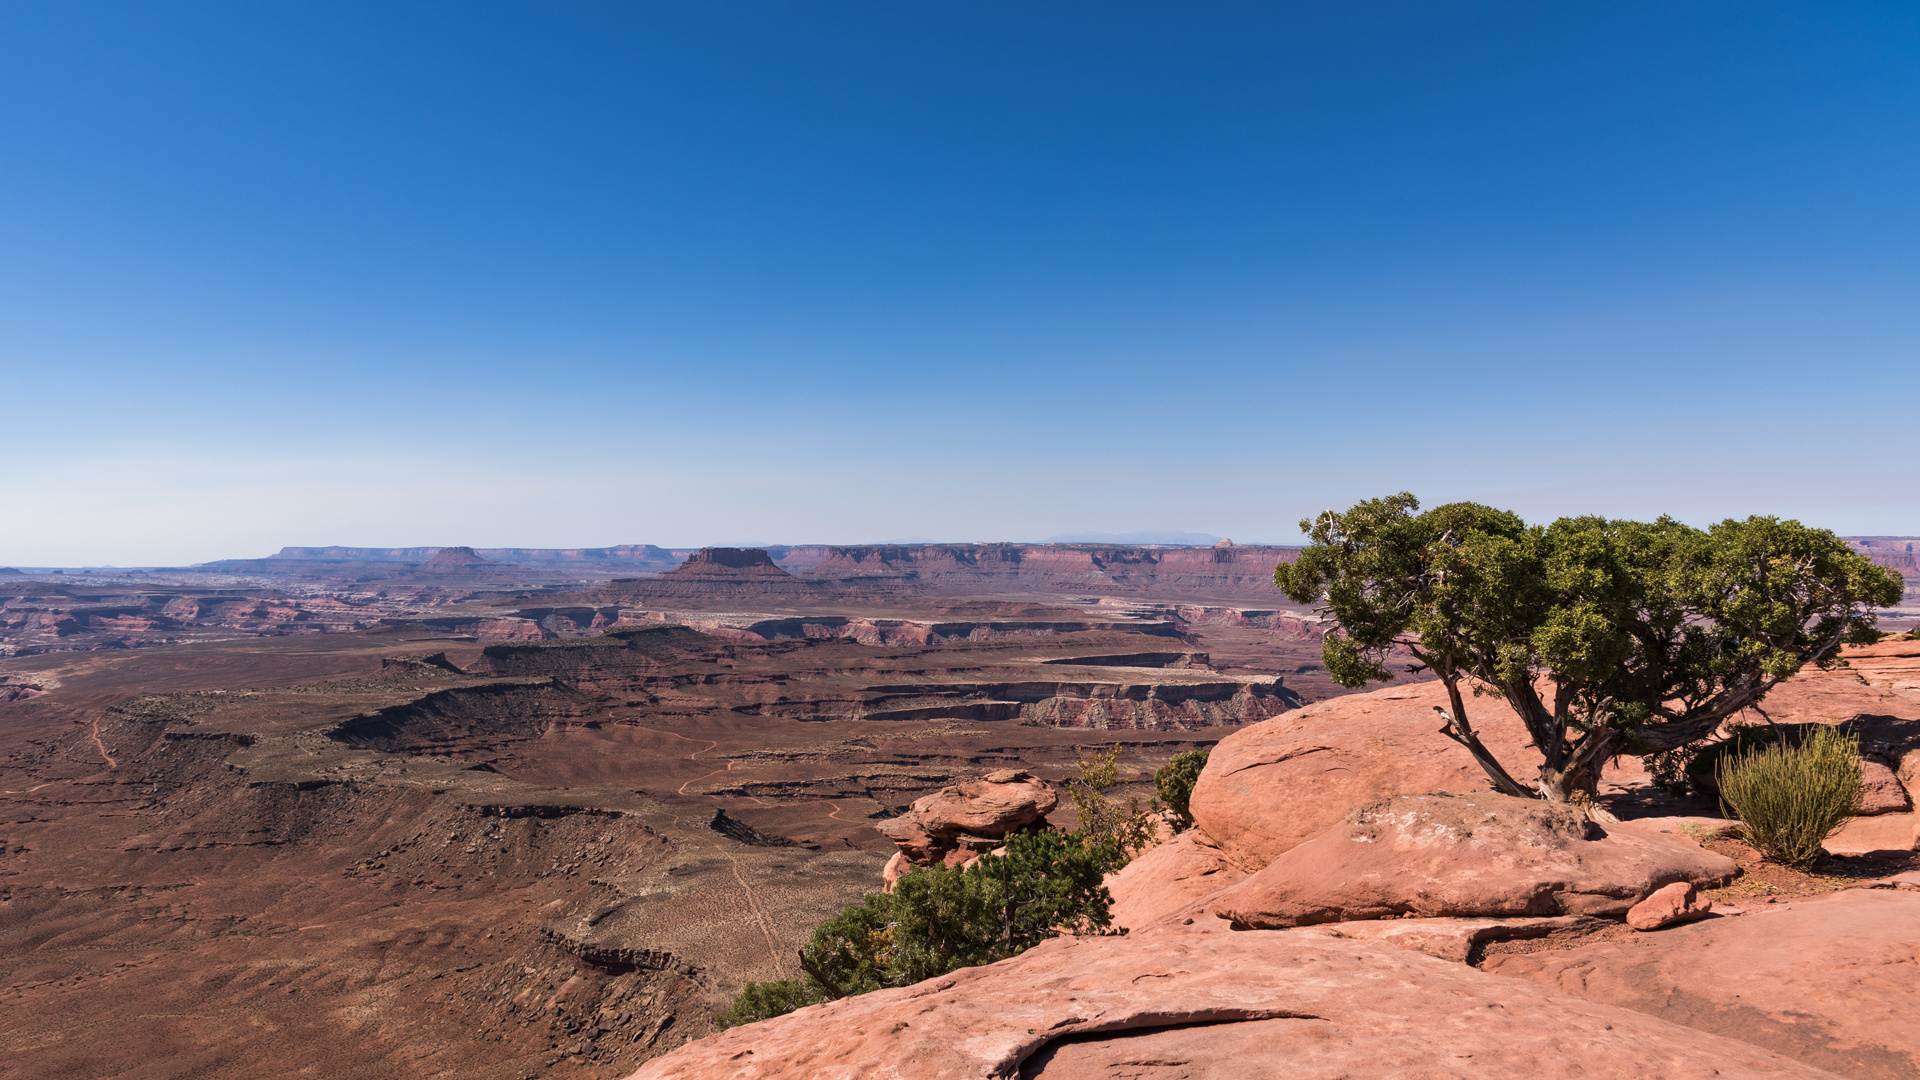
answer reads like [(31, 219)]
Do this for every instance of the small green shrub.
[(762, 1001), (1790, 798), (938, 920), (1174, 782)]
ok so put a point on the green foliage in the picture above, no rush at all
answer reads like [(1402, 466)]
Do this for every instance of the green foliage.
[(761, 1001), (1790, 798), (1174, 782), (1704, 767), (938, 920), (1104, 817), (1672, 770), (1605, 636), (1913, 634)]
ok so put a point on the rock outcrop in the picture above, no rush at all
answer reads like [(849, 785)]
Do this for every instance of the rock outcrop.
[(1459, 855), (1280, 783), (1829, 981), (956, 823), (1252, 1004), (1168, 877)]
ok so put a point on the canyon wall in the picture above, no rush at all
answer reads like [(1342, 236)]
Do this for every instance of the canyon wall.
[(1099, 568), (1901, 553)]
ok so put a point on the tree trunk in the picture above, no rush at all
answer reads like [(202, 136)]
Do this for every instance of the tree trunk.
[(1459, 730), (1579, 782)]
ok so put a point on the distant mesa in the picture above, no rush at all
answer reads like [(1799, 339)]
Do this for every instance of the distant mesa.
[(6, 570), (728, 564), (1151, 537), (455, 556)]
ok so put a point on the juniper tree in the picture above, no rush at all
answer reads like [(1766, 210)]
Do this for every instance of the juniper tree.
[(1607, 637)]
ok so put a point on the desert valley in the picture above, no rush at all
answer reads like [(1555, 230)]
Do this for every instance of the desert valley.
[(504, 814)]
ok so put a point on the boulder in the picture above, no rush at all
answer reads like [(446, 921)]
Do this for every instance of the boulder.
[(1254, 1004), (1463, 855), (1279, 783), (1168, 877), (1670, 905), (1828, 980), (1881, 791), (942, 828)]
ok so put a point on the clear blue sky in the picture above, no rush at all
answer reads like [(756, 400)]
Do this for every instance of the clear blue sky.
[(580, 274)]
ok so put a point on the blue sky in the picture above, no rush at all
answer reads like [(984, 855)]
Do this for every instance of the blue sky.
[(582, 274)]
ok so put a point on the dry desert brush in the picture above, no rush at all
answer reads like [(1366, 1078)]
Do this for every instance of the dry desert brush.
[(1606, 637), (1107, 812), (1791, 798)]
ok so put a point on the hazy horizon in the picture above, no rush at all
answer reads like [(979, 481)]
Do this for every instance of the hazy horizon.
[(511, 276)]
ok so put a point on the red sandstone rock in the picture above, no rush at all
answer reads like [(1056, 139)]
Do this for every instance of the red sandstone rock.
[(1168, 877), (1884, 832), (1448, 939), (1282, 782), (1253, 1004), (1880, 790), (1829, 981), (985, 809), (1463, 855), (1681, 830), (1670, 905)]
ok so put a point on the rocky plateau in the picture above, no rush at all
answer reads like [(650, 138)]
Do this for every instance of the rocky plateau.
[(498, 814)]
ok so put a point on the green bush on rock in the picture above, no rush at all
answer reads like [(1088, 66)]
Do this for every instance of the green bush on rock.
[(1791, 798), (1174, 782), (938, 920)]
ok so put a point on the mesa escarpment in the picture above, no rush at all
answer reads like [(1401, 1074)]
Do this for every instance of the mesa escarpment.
[(1213, 572), (1065, 680)]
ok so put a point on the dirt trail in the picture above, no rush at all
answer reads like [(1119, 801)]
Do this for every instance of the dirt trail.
[(753, 904), (697, 779), (111, 763), (682, 790)]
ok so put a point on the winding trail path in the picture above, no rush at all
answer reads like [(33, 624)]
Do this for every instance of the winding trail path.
[(111, 763), (695, 756)]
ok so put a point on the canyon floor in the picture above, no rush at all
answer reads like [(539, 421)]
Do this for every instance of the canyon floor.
[(489, 838)]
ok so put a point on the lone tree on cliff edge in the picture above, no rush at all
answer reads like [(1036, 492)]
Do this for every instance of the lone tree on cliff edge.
[(1606, 637)]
